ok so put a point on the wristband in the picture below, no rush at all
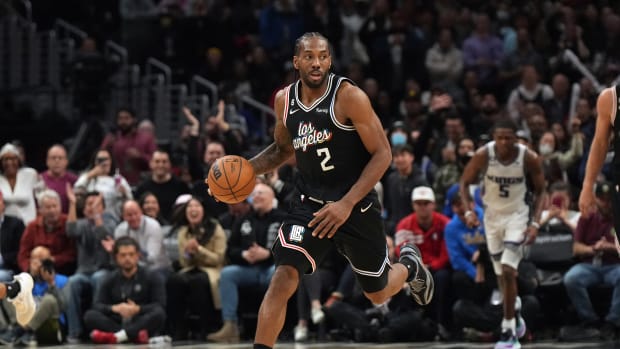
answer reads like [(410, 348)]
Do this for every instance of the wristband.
[(468, 213), (535, 225)]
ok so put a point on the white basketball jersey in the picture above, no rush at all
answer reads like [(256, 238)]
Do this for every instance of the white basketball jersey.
[(504, 185)]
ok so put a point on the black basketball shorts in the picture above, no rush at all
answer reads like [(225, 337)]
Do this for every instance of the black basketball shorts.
[(361, 239)]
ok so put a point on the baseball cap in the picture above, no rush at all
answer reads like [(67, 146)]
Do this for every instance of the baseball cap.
[(423, 194)]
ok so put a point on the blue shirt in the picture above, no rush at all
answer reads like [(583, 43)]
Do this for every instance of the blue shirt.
[(40, 288), (462, 242)]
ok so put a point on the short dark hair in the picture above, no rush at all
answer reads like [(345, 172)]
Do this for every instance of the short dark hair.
[(307, 36), (125, 241), (129, 110), (505, 123), (402, 148), (559, 186), (94, 193)]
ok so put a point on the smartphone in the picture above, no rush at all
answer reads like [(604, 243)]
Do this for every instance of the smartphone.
[(557, 201)]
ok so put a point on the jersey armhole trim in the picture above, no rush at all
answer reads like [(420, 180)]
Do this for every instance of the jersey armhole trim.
[(286, 103), (332, 113)]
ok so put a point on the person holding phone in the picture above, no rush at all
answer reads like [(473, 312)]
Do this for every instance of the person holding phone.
[(103, 178), (558, 212)]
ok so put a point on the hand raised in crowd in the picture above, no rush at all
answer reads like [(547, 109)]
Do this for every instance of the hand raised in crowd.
[(108, 244), (70, 194), (194, 123)]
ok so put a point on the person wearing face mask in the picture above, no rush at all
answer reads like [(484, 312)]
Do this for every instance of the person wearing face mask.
[(556, 162)]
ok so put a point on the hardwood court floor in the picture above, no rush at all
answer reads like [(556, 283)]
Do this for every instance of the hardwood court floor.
[(342, 345)]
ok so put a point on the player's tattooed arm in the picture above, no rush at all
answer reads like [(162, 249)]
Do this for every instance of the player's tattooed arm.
[(282, 147)]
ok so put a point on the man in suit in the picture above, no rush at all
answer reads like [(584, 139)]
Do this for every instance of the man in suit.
[(11, 230)]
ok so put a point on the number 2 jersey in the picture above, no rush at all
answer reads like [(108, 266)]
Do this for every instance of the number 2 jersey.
[(330, 155), (504, 185)]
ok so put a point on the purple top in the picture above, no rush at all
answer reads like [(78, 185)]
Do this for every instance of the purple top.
[(591, 229), (489, 48), (59, 185)]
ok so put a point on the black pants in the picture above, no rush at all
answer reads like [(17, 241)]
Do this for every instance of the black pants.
[(190, 294), (151, 320)]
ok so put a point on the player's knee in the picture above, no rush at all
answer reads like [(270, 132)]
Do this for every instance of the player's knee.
[(508, 271), (285, 280)]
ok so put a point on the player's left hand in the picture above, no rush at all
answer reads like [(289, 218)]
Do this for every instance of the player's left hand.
[(530, 234), (329, 218)]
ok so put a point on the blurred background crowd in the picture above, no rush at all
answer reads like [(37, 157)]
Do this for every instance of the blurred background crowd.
[(439, 74)]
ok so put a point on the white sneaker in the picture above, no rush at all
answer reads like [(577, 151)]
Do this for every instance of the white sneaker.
[(24, 302), (317, 315), (300, 333)]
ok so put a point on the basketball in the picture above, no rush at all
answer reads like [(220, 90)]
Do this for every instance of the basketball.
[(231, 179)]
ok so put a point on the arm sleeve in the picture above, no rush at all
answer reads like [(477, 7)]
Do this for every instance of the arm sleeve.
[(103, 301), (215, 257), (158, 294), (234, 245)]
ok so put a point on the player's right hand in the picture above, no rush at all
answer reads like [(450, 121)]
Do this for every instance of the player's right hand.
[(587, 204)]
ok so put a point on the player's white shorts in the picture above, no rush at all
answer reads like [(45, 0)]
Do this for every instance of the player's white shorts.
[(505, 234)]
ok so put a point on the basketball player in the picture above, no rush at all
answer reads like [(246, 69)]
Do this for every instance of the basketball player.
[(504, 164), (607, 106), (341, 152)]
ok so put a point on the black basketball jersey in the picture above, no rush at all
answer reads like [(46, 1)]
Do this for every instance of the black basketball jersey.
[(614, 114), (330, 155)]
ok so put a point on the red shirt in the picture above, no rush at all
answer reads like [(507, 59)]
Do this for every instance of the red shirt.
[(61, 246), (130, 167), (430, 242), (590, 230), (59, 185)]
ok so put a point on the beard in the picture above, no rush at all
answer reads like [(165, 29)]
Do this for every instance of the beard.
[(305, 78)]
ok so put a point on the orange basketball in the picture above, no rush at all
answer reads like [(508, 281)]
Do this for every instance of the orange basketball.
[(231, 179)]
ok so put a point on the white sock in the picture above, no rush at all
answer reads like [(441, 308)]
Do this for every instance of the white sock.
[(121, 336), (518, 304), (509, 324)]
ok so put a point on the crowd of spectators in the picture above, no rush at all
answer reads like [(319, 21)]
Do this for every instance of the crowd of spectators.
[(439, 74)]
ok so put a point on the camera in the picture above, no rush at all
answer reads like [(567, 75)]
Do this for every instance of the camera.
[(47, 265)]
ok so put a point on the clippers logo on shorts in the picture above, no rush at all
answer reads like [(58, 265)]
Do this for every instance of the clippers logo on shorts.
[(308, 135), (297, 233)]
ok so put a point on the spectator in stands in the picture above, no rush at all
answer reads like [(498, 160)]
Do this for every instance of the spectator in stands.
[(482, 51), (280, 23), (89, 74), (130, 301), (251, 261), (556, 163), (45, 328), (512, 64), (94, 239), (529, 91), (234, 213), (101, 177), (48, 230), (599, 263), (57, 177), (194, 289), (488, 114), (444, 61), (162, 183), (558, 215), (11, 230), (557, 109), (425, 228), (130, 149), (150, 207), (450, 172), (149, 235), (398, 184), (17, 184)]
